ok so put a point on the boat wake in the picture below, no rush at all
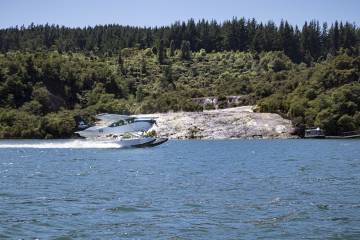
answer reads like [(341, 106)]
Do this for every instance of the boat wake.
[(57, 144)]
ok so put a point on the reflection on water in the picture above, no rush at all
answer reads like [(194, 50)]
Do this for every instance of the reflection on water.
[(238, 189)]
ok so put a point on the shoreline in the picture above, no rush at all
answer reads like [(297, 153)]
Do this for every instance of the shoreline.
[(220, 124)]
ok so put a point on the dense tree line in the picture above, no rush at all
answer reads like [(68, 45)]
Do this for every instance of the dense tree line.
[(309, 43), (44, 94)]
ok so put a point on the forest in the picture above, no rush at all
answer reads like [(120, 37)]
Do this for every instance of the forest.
[(310, 42), (51, 77)]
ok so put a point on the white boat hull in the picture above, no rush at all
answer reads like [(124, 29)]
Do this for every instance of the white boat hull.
[(135, 142), (96, 131)]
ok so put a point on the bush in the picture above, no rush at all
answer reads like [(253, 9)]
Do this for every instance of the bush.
[(59, 125), (346, 123)]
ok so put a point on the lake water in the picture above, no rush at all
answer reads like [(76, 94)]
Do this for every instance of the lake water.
[(235, 189)]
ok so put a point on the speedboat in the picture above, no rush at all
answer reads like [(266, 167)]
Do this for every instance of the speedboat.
[(114, 124), (124, 130)]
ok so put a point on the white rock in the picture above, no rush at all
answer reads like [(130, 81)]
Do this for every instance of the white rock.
[(239, 122)]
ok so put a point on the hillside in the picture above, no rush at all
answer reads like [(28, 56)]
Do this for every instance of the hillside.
[(45, 91)]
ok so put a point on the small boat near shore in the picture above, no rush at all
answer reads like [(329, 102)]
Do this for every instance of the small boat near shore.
[(314, 133)]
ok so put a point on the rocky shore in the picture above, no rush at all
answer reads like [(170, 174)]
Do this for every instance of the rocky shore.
[(239, 122)]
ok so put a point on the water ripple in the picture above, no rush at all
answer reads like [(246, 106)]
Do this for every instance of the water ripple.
[(261, 189)]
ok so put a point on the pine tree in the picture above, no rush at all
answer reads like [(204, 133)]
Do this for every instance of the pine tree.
[(287, 40), (349, 36), (161, 52), (121, 63), (31, 70), (192, 34), (335, 38), (270, 37), (325, 44), (185, 50), (139, 94), (167, 78), (143, 66), (172, 48), (230, 35)]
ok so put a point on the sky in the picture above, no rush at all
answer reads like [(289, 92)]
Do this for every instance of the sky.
[(80, 13)]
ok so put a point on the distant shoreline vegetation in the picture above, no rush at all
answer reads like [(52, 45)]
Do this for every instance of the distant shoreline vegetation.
[(309, 42), (51, 76)]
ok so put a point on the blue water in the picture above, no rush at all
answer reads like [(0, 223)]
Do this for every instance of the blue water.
[(238, 189)]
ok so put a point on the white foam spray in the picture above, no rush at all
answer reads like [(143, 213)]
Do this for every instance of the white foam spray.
[(57, 144)]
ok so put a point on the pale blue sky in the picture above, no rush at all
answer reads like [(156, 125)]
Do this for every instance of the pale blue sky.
[(163, 12)]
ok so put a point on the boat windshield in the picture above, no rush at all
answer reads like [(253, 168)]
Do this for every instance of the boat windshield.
[(122, 122), (118, 123)]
